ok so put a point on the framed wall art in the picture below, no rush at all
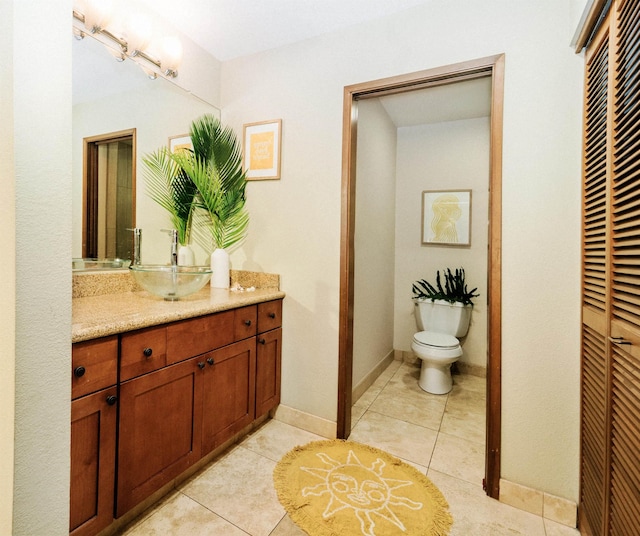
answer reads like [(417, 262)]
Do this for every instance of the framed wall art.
[(446, 218), (261, 149), (180, 143)]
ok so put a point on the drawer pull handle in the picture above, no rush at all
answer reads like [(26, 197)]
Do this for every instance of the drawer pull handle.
[(262, 341), (201, 364), (112, 399), (272, 315), (147, 352), (247, 322), (78, 372), (210, 360)]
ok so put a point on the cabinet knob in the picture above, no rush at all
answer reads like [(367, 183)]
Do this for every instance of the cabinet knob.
[(147, 352), (112, 399), (78, 372), (247, 322), (201, 364), (262, 341), (272, 315), (210, 360)]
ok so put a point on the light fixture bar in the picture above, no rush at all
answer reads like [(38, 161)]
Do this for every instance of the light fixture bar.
[(118, 46)]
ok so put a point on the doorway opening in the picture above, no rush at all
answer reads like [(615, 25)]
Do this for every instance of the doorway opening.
[(109, 200), (492, 67)]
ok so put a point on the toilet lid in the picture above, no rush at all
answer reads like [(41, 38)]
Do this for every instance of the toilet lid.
[(440, 340)]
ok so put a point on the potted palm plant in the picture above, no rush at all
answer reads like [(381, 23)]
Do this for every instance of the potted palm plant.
[(203, 189)]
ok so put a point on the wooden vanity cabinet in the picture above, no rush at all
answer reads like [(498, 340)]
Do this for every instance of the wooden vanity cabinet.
[(160, 430), (183, 390), (228, 393), (269, 352), (173, 416), (93, 435)]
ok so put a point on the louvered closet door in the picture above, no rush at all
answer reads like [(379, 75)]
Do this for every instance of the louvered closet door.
[(625, 313), (595, 284)]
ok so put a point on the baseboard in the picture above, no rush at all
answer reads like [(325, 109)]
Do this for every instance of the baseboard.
[(471, 369), (538, 502), (306, 421), (370, 378)]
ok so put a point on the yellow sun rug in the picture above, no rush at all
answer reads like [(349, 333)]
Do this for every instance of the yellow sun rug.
[(343, 488)]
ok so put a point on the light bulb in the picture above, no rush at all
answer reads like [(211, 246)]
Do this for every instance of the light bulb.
[(97, 14), (171, 55), (138, 33)]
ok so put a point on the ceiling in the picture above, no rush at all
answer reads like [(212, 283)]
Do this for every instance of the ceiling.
[(468, 99), (232, 28), (229, 29)]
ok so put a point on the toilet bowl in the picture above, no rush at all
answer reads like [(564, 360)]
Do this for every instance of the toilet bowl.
[(436, 344), (437, 352)]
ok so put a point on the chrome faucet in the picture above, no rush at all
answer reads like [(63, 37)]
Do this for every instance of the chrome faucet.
[(173, 233), (137, 246)]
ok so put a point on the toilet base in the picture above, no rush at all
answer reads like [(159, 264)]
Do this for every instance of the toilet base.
[(435, 379)]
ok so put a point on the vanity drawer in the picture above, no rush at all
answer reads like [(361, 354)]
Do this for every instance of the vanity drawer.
[(245, 322), (199, 335), (142, 351), (269, 315), (94, 365)]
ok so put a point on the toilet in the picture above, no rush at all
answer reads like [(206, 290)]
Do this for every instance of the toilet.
[(440, 323)]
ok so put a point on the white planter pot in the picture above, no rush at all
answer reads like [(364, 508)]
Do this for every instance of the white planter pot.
[(220, 268), (186, 256)]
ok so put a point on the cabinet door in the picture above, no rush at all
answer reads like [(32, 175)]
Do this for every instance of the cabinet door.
[(160, 430), (93, 458), (269, 350), (228, 392)]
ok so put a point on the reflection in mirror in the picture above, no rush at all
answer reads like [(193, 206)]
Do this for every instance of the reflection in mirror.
[(111, 97), (109, 195)]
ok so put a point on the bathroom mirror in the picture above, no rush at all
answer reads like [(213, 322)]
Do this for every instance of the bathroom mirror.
[(111, 97)]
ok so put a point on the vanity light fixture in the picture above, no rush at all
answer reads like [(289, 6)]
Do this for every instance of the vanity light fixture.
[(131, 43)]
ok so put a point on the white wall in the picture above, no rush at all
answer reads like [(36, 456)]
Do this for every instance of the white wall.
[(7, 268), (41, 77), (451, 155), (144, 110), (374, 238), (295, 229)]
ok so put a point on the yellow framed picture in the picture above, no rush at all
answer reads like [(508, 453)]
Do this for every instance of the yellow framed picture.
[(446, 218), (261, 149)]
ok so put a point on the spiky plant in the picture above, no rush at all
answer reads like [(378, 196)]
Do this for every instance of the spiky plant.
[(455, 288), (170, 187)]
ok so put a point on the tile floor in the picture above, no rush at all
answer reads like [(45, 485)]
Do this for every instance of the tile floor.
[(441, 435)]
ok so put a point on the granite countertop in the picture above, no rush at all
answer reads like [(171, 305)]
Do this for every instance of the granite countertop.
[(100, 315)]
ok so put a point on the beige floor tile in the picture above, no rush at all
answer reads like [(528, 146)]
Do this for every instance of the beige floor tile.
[(239, 488), (475, 514), (357, 411), (557, 529), (275, 438), (468, 382), (410, 403), (407, 441), (459, 422), (422, 410), (181, 516), (286, 527), (459, 458)]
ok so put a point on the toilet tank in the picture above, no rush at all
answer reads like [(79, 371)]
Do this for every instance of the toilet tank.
[(442, 316)]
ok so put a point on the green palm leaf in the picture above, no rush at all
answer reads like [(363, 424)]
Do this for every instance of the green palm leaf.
[(203, 189), (170, 187)]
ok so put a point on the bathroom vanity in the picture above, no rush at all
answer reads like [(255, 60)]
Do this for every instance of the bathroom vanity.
[(157, 387)]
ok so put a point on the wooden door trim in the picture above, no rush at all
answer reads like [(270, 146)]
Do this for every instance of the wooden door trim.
[(490, 66)]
